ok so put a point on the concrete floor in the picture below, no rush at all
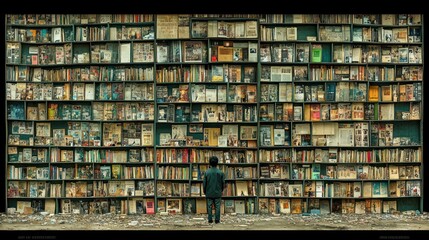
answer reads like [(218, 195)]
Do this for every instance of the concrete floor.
[(409, 222)]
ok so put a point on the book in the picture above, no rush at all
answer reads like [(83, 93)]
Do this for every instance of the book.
[(316, 53), (174, 206), (193, 51)]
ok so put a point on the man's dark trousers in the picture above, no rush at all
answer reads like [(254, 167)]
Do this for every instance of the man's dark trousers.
[(216, 202)]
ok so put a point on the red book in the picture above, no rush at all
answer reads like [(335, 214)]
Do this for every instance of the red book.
[(150, 207)]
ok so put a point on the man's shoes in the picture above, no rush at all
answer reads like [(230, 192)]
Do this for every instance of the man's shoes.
[(210, 221), (217, 222)]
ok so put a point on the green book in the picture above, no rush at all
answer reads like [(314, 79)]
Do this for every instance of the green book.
[(316, 53)]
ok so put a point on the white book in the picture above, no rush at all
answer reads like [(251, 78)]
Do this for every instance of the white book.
[(113, 33), (222, 141), (291, 33), (283, 95), (251, 29), (105, 56), (357, 189), (164, 139), (84, 34), (221, 93), (280, 34), (279, 137), (387, 35), (128, 90), (162, 53), (356, 53), (357, 34), (56, 34), (319, 189), (297, 18), (212, 29), (198, 93), (37, 75), (239, 206), (239, 30), (211, 94), (59, 55), (281, 73), (125, 53), (253, 52), (346, 136), (89, 91), (147, 134)]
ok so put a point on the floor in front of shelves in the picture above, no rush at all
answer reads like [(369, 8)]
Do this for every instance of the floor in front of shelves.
[(402, 221)]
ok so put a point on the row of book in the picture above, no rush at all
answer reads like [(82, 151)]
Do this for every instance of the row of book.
[(226, 51), (211, 136), (366, 19), (201, 156), (80, 91), (136, 52), (217, 73), (92, 73), (79, 155), (181, 51), (198, 206), (269, 172), (133, 206), (339, 53), (68, 172), (72, 206), (381, 135), (359, 134), (346, 73), (339, 111), (113, 33), (310, 189), (322, 206), (66, 19), (334, 155), (201, 73), (80, 189), (196, 52), (327, 171), (131, 134), (232, 93), (177, 113), (322, 171), (87, 134), (97, 111), (399, 110), (339, 91), (341, 33), (319, 189), (141, 134), (225, 156), (224, 29), (387, 34), (39, 35)]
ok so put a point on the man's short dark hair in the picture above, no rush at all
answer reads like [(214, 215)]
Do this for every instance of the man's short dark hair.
[(213, 161)]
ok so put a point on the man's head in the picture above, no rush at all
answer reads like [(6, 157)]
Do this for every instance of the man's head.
[(213, 161)]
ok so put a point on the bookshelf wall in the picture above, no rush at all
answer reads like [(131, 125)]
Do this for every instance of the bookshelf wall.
[(307, 113)]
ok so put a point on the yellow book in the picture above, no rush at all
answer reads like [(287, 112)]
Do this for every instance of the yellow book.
[(373, 94), (225, 54), (307, 112)]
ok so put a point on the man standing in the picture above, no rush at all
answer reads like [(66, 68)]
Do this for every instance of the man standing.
[(213, 185)]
